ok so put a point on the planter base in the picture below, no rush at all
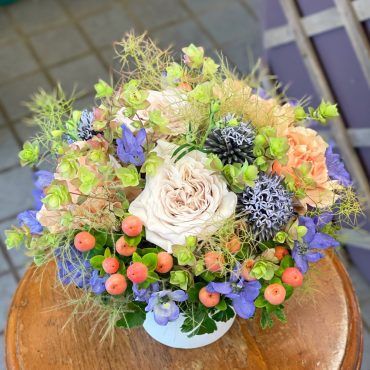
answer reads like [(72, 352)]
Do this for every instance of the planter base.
[(171, 335)]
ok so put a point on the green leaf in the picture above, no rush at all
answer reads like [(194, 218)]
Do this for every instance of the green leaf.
[(136, 258), (260, 302), (198, 323), (179, 149), (286, 262), (133, 241), (100, 238), (152, 277), (222, 306), (289, 291), (131, 320), (224, 315), (266, 320), (193, 292), (280, 314), (271, 307), (97, 261), (150, 261), (107, 253), (102, 89), (275, 280), (208, 276)]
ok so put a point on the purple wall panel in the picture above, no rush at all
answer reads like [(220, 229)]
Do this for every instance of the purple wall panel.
[(308, 7), (345, 77), (286, 63), (274, 16)]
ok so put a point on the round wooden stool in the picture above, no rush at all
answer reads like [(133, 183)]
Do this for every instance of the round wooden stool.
[(324, 331)]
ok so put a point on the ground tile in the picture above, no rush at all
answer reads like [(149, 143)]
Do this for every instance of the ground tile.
[(8, 149), (15, 60), (15, 191), (8, 286), (181, 35), (32, 15), (59, 44), (108, 26), (15, 93), (82, 73), (83, 7), (231, 24), (154, 14)]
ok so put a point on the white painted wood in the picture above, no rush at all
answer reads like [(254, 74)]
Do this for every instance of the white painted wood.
[(315, 24), (323, 89)]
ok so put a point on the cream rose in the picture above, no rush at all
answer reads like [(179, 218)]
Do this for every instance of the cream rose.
[(181, 199)]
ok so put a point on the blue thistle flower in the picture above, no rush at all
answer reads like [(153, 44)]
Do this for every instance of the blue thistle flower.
[(232, 144), (267, 207), (84, 128)]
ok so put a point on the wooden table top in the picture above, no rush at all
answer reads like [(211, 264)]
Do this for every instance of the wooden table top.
[(324, 331)]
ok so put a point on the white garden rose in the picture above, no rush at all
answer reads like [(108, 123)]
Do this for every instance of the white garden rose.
[(182, 199)]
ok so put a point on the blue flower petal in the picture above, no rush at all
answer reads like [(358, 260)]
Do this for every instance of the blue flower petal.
[(323, 241), (243, 308), (222, 288), (178, 295), (251, 290)]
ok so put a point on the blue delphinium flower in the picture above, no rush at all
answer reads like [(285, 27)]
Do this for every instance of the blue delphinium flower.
[(74, 268), (28, 218), (97, 283), (242, 293), (336, 169), (143, 295), (130, 147), (305, 251), (41, 179), (163, 305)]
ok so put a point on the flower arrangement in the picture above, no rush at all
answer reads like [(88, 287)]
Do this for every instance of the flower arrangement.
[(186, 190)]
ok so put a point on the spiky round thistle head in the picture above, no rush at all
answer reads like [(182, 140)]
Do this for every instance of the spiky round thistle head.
[(232, 144), (84, 128), (267, 207)]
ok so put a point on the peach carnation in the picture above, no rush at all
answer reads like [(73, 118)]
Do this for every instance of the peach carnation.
[(307, 147)]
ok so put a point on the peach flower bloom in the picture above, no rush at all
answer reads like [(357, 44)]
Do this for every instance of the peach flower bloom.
[(169, 102), (306, 146)]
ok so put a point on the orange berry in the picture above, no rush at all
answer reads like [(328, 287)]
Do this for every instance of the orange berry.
[(209, 299), (164, 262), (84, 241), (214, 261), (123, 248), (275, 294), (280, 252), (132, 226), (116, 284)]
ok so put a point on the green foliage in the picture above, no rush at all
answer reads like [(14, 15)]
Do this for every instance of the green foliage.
[(184, 255), (198, 322), (134, 97), (213, 162), (152, 162), (14, 238), (103, 90), (128, 175), (57, 195), (194, 55), (202, 93), (150, 261), (180, 278), (87, 180), (324, 112), (263, 269), (239, 176), (224, 313), (29, 155), (132, 319)]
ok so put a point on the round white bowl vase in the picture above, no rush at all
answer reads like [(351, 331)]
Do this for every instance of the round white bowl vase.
[(171, 334)]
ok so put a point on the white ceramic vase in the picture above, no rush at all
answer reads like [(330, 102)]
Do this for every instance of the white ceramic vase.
[(171, 334)]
